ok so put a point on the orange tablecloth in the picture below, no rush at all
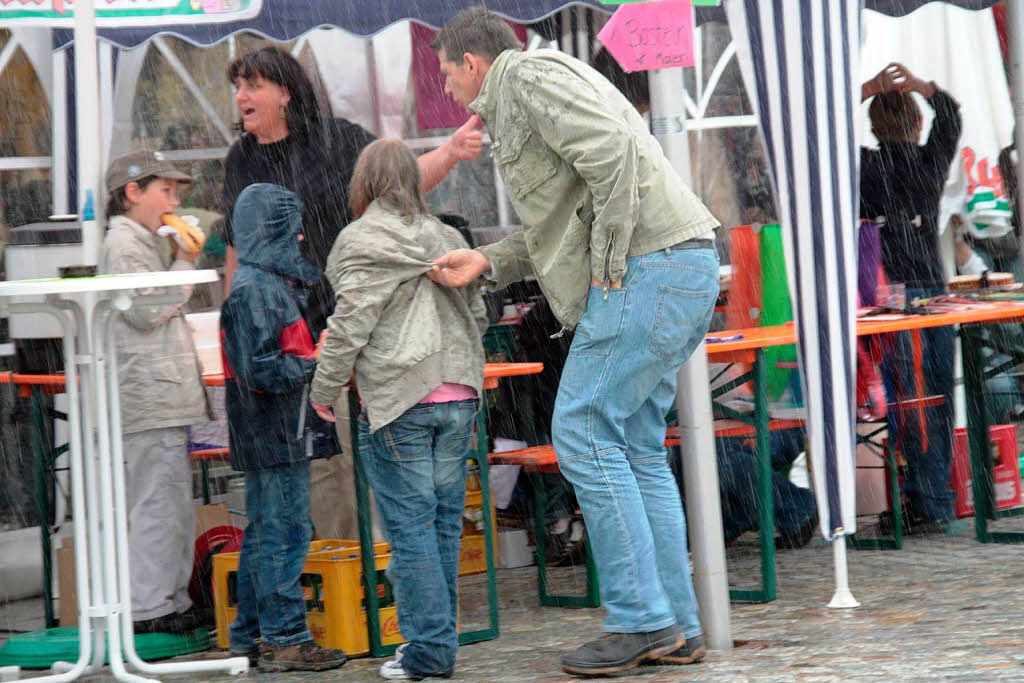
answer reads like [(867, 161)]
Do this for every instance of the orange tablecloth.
[(54, 384), (742, 350)]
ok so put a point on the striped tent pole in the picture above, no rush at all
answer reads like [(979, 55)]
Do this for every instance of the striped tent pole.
[(799, 61)]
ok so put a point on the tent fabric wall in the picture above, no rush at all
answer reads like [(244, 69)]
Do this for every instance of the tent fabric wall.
[(287, 20), (800, 63)]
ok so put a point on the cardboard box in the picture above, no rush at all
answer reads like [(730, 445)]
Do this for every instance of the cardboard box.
[(207, 517), (210, 516), (68, 590)]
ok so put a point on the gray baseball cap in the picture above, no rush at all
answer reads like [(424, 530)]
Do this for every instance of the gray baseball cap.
[(137, 165)]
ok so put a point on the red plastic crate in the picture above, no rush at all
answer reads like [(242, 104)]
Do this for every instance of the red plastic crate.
[(1005, 474)]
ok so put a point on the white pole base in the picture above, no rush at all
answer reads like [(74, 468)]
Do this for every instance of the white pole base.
[(843, 599)]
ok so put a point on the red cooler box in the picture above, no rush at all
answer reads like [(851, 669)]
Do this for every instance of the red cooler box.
[(1005, 474)]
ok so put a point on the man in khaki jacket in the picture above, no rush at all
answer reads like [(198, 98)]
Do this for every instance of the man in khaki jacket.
[(624, 253)]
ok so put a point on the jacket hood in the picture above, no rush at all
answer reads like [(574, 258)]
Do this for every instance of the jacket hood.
[(267, 222)]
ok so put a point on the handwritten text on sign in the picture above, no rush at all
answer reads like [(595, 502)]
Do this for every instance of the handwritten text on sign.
[(650, 35)]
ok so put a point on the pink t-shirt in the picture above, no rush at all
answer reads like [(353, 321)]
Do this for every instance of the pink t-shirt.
[(448, 392)]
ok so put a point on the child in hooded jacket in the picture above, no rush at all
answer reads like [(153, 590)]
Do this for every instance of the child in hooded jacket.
[(268, 363)]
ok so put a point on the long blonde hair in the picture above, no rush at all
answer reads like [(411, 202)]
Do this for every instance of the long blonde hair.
[(387, 169)]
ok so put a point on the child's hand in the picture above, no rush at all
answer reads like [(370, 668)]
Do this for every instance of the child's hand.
[(326, 413), (320, 346)]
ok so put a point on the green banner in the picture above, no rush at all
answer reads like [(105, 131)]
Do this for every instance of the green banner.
[(123, 13)]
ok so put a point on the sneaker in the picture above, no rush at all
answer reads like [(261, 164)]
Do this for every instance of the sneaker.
[(692, 651), (393, 669), (307, 656), (615, 652), (168, 623)]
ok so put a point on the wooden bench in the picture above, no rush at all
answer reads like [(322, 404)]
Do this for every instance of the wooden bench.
[(540, 460)]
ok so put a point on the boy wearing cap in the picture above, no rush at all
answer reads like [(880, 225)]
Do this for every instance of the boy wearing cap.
[(161, 392)]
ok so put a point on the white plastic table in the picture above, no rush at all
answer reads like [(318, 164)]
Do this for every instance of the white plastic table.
[(85, 308)]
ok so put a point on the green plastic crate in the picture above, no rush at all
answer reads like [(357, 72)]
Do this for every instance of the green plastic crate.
[(40, 649)]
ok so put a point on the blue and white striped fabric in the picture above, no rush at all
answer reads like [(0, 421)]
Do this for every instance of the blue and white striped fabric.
[(800, 61)]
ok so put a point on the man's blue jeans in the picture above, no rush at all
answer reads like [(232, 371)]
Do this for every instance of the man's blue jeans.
[(274, 549), (618, 384), (927, 480), (417, 468)]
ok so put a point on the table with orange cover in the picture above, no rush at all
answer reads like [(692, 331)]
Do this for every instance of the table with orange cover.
[(748, 347)]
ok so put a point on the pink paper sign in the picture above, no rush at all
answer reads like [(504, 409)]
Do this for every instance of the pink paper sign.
[(645, 36)]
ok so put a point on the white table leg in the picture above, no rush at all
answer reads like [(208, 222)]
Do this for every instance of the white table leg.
[(67, 671), (111, 547)]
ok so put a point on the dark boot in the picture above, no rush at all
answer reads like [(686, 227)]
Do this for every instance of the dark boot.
[(307, 656), (790, 539), (692, 651), (168, 623), (199, 617), (616, 652)]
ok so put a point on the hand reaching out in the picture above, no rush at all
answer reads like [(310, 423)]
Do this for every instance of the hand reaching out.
[(459, 267)]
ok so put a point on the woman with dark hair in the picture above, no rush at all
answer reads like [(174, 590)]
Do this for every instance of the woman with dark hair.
[(289, 141)]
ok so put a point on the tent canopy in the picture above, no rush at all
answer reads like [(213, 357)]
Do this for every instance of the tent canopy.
[(286, 20)]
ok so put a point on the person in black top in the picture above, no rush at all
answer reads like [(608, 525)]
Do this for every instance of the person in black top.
[(289, 141), (900, 186)]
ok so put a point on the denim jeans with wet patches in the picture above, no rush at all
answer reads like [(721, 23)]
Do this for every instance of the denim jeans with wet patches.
[(417, 468), (618, 384), (926, 482), (270, 601)]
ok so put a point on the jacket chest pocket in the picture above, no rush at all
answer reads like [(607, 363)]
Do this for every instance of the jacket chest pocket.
[(524, 160)]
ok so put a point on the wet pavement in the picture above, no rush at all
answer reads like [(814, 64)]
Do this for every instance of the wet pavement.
[(943, 608)]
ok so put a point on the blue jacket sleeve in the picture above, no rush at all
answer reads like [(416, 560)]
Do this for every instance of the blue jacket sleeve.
[(252, 320)]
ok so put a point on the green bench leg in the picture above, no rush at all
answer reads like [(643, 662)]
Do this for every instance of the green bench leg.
[(765, 498), (492, 631), (978, 442), (895, 507), (43, 467), (204, 467), (592, 597)]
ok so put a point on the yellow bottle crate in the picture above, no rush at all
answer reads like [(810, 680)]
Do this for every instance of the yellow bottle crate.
[(471, 555), (333, 589)]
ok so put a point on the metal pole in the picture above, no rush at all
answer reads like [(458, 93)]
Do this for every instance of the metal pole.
[(1015, 32), (87, 108), (693, 402), (106, 87), (59, 126)]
